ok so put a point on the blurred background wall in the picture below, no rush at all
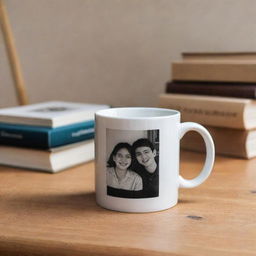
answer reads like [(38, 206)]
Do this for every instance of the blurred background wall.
[(116, 52)]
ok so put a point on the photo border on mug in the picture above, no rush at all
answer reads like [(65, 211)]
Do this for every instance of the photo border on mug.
[(132, 164)]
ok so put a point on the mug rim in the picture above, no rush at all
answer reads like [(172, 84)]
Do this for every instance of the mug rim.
[(111, 113)]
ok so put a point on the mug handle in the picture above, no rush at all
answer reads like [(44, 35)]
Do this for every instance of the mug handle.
[(210, 155)]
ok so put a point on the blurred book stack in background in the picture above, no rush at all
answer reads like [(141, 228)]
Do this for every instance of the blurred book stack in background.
[(217, 90), (49, 136)]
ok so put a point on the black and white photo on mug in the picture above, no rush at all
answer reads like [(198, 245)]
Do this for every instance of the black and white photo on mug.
[(132, 164)]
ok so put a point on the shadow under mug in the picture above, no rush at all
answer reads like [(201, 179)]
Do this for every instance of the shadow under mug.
[(138, 155)]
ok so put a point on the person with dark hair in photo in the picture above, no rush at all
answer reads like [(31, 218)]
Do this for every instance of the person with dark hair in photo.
[(120, 177), (145, 154)]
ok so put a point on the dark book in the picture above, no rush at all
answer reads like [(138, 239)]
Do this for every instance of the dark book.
[(237, 90), (219, 56)]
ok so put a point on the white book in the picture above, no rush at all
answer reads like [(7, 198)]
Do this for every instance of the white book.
[(48, 160), (50, 114)]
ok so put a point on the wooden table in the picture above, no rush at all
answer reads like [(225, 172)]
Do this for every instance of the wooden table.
[(46, 214)]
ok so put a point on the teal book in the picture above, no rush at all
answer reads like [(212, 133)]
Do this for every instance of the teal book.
[(45, 137)]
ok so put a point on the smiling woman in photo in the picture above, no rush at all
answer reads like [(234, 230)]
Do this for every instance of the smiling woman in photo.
[(119, 174)]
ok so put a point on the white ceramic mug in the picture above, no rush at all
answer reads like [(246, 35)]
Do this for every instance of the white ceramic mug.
[(137, 158)]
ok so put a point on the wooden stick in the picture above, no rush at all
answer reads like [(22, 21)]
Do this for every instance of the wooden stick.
[(13, 56)]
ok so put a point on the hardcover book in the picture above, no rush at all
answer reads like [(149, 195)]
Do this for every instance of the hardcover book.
[(45, 137), (50, 114), (219, 56), (212, 71), (212, 110), (229, 142), (53, 160), (238, 90)]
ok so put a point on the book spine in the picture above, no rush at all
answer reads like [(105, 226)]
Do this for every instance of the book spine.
[(207, 110), (45, 160), (218, 56), (229, 142), (214, 89), (45, 138), (14, 136), (221, 72), (64, 136)]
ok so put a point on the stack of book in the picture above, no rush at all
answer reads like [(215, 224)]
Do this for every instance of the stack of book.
[(217, 90), (49, 136)]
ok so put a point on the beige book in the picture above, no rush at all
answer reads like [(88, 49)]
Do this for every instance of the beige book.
[(218, 56), (212, 71), (52, 161), (212, 110), (230, 142)]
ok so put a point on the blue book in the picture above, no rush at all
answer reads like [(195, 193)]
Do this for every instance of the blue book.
[(45, 137)]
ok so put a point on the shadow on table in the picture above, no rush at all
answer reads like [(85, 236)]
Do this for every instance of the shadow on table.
[(185, 201), (57, 202), (68, 204)]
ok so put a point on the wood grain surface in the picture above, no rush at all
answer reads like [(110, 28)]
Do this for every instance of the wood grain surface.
[(56, 214)]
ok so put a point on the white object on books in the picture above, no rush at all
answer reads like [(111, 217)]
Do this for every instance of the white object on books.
[(50, 114), (49, 161)]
